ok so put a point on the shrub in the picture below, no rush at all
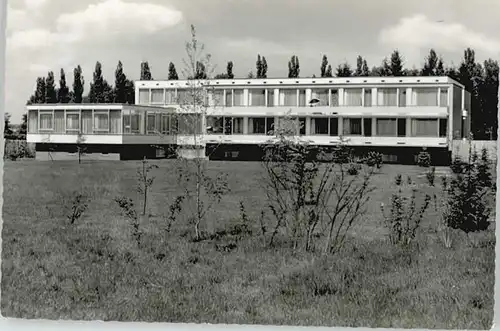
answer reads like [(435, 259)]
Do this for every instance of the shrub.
[(374, 159), (128, 208), (457, 166), (174, 211), (409, 180), (353, 169), (78, 206), (398, 179), (424, 159), (404, 219), (431, 175)]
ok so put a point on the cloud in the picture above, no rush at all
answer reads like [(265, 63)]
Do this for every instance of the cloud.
[(418, 31), (35, 4), (107, 20), (111, 18)]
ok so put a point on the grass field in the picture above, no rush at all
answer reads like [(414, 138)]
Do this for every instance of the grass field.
[(93, 269)]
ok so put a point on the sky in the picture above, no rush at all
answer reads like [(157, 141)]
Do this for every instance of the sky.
[(47, 35)]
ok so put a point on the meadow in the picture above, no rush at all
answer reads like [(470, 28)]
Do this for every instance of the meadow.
[(93, 269)]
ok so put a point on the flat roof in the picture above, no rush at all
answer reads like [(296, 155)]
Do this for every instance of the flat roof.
[(416, 80), (90, 106)]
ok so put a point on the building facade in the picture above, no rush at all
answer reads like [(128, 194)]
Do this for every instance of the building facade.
[(397, 116)]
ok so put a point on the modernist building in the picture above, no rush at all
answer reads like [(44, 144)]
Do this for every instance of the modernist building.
[(397, 116)]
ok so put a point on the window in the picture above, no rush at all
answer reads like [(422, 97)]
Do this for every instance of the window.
[(144, 96), (353, 97), (59, 121), (237, 125), (443, 97), (443, 127), (269, 125), (302, 126), (257, 97), (170, 97), (33, 121), (352, 126), (334, 126), (229, 98), (319, 125), (386, 127), (424, 96), (165, 124), (157, 95), (135, 123), (321, 95), (367, 127), (402, 97), (368, 97), (334, 98), (427, 127), (289, 97), (73, 122), (302, 98), (46, 120), (185, 97), (238, 98), (401, 127), (228, 125), (217, 98), (101, 120), (387, 97), (151, 125), (257, 125), (214, 125), (270, 98)]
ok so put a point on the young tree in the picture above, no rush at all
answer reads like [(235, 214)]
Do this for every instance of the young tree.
[(129, 87), (344, 70), (50, 89), (7, 130), (258, 66), (78, 85), (396, 64), (293, 67), (120, 93), (63, 91), (324, 65), (145, 71), (172, 73), (329, 72), (229, 70), (96, 93), (250, 75), (108, 94), (305, 196), (264, 67), (201, 190)]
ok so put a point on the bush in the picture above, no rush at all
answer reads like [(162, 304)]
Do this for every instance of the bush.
[(128, 208), (398, 179), (404, 219), (78, 206), (353, 169), (374, 159), (424, 159), (457, 166), (431, 175)]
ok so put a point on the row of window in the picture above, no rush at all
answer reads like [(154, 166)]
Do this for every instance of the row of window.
[(358, 97), (331, 126), (104, 121)]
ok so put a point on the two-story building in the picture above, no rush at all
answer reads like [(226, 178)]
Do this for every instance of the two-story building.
[(397, 116)]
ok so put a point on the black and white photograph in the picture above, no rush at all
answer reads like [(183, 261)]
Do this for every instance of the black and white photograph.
[(270, 162)]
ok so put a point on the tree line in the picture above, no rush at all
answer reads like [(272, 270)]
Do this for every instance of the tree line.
[(481, 79)]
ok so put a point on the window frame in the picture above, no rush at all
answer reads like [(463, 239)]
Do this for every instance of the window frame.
[(162, 102), (68, 113), (100, 112), (46, 112)]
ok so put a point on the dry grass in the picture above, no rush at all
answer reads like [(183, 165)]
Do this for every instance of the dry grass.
[(94, 270)]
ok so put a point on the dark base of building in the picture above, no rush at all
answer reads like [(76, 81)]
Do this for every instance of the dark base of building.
[(394, 155), (104, 152)]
